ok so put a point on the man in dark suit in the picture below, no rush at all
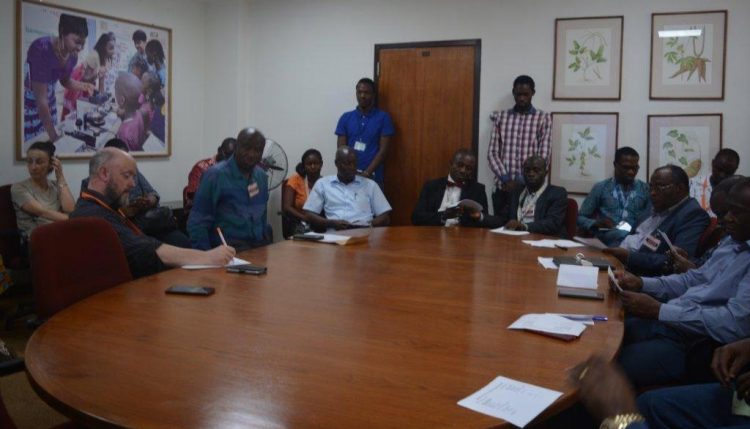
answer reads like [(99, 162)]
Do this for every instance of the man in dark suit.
[(681, 218), (439, 198), (537, 207)]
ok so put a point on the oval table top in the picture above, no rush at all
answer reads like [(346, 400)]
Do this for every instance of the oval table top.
[(388, 333)]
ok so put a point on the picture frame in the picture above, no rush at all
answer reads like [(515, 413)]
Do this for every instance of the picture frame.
[(688, 55), (82, 107), (588, 58), (583, 148), (688, 140)]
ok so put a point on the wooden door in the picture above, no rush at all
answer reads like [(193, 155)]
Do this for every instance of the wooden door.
[(431, 91)]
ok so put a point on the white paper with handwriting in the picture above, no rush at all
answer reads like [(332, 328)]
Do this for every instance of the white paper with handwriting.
[(510, 400)]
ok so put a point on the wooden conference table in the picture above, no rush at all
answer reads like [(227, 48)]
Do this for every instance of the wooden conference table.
[(389, 333)]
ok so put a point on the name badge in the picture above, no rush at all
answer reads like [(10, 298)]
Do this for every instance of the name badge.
[(360, 146), (652, 243), (253, 190)]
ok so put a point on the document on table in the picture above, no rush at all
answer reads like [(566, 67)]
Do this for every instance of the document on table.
[(593, 242), (551, 244), (235, 261), (342, 240), (502, 230), (549, 324), (547, 263), (578, 276), (511, 400)]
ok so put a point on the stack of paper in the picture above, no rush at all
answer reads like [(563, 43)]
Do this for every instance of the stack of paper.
[(343, 240), (235, 261), (578, 276), (547, 263), (549, 243), (502, 230), (549, 324), (513, 401)]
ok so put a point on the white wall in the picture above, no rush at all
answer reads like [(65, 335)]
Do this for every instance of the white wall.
[(187, 19), (306, 56), (289, 67)]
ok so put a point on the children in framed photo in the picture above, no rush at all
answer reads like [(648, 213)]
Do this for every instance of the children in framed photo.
[(583, 149), (85, 78), (689, 141)]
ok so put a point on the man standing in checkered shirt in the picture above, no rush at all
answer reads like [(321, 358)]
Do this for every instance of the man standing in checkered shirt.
[(518, 133)]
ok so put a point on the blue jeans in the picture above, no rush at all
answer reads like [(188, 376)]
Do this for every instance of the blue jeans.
[(692, 406)]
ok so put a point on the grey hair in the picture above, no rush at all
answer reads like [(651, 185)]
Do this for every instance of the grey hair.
[(99, 159)]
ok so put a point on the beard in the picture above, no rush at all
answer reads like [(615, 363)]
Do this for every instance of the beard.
[(121, 200)]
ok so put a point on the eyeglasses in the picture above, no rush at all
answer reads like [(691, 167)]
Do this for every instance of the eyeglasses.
[(660, 188)]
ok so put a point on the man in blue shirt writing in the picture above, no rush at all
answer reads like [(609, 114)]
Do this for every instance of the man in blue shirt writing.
[(368, 131), (668, 316), (348, 199)]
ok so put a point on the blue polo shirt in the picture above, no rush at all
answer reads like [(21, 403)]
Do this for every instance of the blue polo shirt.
[(366, 129)]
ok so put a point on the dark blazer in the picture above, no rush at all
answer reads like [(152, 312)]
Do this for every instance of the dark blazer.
[(549, 213), (431, 196), (684, 227)]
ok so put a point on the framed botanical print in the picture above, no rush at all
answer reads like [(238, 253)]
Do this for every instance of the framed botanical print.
[(689, 141), (588, 58), (583, 149), (688, 55)]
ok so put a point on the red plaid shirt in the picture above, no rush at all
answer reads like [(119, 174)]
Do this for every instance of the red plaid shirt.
[(515, 137)]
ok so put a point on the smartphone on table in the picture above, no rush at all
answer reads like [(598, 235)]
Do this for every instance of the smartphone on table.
[(190, 290), (247, 269)]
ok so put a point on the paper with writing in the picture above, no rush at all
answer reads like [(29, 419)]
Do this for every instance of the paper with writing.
[(235, 261), (550, 324), (502, 230), (551, 244), (513, 401)]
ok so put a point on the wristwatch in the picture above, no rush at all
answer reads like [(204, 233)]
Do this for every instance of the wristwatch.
[(621, 421)]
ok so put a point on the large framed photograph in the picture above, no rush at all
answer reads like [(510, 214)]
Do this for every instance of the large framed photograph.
[(83, 78), (688, 55), (588, 58), (690, 141), (583, 149)]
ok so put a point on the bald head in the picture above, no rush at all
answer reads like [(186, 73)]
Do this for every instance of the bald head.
[(127, 90), (346, 163), (249, 149), (112, 173)]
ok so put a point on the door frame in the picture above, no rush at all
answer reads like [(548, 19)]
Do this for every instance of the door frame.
[(475, 43)]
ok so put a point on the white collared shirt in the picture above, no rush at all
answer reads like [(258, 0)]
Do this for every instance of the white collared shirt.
[(527, 204), (451, 197)]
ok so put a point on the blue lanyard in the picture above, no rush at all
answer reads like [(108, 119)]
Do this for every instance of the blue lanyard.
[(622, 198)]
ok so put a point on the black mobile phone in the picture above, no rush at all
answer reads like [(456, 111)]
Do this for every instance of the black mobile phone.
[(247, 269), (190, 290), (307, 237), (580, 293)]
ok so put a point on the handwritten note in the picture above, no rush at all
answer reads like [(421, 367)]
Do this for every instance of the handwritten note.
[(235, 261), (550, 324), (510, 400)]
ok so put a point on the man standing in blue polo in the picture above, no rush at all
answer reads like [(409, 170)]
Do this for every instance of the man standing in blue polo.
[(367, 130)]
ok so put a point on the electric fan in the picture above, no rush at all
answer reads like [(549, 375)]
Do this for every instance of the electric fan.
[(274, 163)]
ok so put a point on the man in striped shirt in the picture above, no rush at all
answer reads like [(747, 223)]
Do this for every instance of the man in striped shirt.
[(518, 133)]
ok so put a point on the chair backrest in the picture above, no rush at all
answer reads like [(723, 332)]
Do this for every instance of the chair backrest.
[(571, 217), (10, 237), (710, 238), (73, 259)]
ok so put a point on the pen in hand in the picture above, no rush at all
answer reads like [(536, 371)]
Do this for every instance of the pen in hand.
[(223, 241)]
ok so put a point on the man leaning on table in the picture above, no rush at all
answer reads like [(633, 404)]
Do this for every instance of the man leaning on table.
[(347, 199), (674, 213), (668, 316), (112, 175), (439, 198), (614, 205)]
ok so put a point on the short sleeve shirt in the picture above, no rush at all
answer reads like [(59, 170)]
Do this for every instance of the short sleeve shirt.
[(356, 202), (23, 192), (363, 132)]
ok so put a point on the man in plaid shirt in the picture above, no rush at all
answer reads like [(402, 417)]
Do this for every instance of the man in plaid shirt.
[(518, 133)]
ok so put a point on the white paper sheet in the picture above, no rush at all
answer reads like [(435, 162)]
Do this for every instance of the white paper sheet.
[(567, 243), (502, 230), (549, 324), (547, 263), (514, 401), (551, 244), (577, 276), (235, 261), (612, 277), (593, 242)]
